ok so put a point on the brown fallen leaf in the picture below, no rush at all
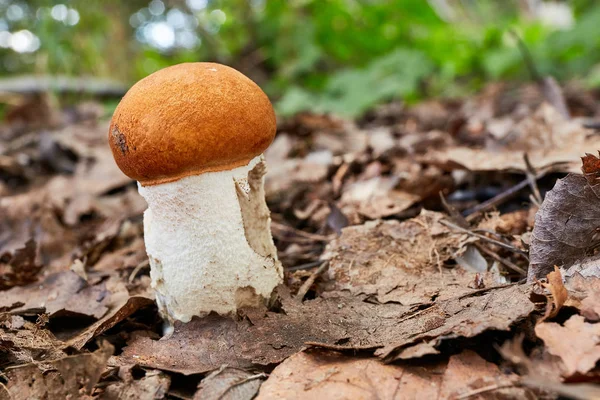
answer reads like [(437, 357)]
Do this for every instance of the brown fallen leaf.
[(565, 225), (465, 316), (19, 268), (584, 294), (98, 174), (329, 375), (229, 384), (558, 294), (550, 140), (577, 343), (121, 307), (154, 385), (61, 292), (338, 321), (32, 215), (376, 198), (591, 168), (22, 341), (70, 377), (399, 261)]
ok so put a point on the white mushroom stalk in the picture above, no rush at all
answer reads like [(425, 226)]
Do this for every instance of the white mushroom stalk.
[(209, 243)]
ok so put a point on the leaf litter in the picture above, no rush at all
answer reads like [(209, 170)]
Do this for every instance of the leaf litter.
[(405, 234)]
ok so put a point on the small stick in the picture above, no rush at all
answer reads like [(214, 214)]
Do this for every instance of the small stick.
[(485, 389), (137, 269), (311, 279), (531, 178), (307, 265), (502, 197), (342, 347), (307, 235), (453, 212), (482, 237), (501, 260), (496, 200)]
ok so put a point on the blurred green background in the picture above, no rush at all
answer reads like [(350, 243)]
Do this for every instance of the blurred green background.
[(341, 56)]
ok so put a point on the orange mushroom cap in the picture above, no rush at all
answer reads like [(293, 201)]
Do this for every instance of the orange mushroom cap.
[(189, 119)]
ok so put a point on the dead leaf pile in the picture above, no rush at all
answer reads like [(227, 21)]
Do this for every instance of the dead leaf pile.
[(405, 235)]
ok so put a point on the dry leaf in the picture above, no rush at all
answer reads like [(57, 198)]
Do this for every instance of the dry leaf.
[(22, 341), (558, 294), (329, 375), (62, 292), (565, 225), (19, 268), (584, 294), (154, 385), (122, 306), (70, 377), (577, 343), (399, 261), (336, 322), (549, 140), (229, 384)]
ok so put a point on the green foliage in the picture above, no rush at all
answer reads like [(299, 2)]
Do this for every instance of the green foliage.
[(341, 56), (353, 91)]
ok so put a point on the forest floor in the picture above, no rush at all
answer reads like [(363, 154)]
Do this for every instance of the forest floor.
[(430, 252)]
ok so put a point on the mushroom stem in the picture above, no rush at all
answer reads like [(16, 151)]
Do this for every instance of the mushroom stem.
[(209, 242)]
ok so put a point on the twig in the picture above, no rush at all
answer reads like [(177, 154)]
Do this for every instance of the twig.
[(502, 197), (501, 260), (496, 200), (479, 291), (413, 315), (485, 238), (532, 179), (485, 389), (311, 279), (31, 84), (592, 125), (307, 265), (453, 212), (342, 347), (137, 269), (306, 235)]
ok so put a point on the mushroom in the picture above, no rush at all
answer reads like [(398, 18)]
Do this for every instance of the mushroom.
[(193, 135)]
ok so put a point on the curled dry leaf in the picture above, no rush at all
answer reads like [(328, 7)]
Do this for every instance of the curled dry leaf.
[(565, 225), (19, 268), (577, 343), (591, 168), (329, 375), (558, 294), (121, 307)]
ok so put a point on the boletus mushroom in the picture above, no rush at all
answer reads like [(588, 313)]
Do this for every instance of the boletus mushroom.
[(193, 135)]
